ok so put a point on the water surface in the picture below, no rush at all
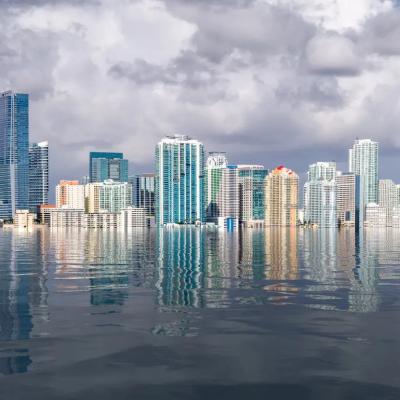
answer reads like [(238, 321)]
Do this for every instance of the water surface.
[(199, 314)]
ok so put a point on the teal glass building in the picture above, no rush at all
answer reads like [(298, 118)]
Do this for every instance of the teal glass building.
[(104, 166), (179, 181), (251, 184), (14, 153)]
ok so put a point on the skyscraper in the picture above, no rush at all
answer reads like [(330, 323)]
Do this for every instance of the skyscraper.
[(104, 166), (143, 192), (251, 187), (281, 197), (348, 200), (320, 195), (14, 153), (363, 161), (38, 175), (216, 163), (179, 180)]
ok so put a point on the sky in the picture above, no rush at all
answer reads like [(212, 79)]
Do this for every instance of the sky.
[(268, 81)]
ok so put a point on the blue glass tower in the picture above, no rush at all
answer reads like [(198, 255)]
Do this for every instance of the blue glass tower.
[(179, 181), (103, 166), (14, 153)]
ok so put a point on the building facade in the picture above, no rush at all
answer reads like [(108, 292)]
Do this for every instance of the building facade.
[(363, 161), (143, 192), (38, 175), (14, 153), (70, 194), (376, 216), (320, 195), (107, 196), (281, 197), (216, 163), (251, 193), (104, 166), (133, 217), (348, 200), (388, 195), (179, 181)]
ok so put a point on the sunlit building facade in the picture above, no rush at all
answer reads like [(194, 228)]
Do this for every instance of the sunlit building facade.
[(281, 197), (348, 200)]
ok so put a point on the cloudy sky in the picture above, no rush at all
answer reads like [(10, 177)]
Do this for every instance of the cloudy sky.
[(269, 81)]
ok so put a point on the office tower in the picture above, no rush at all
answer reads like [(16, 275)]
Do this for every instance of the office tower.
[(229, 198), (348, 198), (281, 197), (216, 163), (104, 166), (108, 196), (71, 195), (143, 192), (251, 187), (38, 175), (179, 181), (14, 153), (320, 195), (133, 217), (363, 161), (222, 191)]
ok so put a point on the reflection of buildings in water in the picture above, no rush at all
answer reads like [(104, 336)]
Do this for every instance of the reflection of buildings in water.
[(111, 261), (221, 267), (281, 254), (319, 247), (180, 267), (251, 254), (363, 296), (23, 294)]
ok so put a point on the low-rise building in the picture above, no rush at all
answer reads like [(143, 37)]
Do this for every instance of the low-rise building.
[(376, 216), (133, 217), (23, 219)]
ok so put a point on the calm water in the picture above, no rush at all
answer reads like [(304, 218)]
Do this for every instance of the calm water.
[(197, 314)]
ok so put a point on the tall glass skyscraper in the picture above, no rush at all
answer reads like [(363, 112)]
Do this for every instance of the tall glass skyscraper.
[(104, 166), (251, 182), (38, 175), (14, 153), (320, 195), (179, 181), (363, 161)]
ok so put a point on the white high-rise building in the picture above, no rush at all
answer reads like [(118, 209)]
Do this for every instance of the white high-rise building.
[(348, 198), (320, 195), (222, 190), (363, 161), (108, 196), (71, 195), (388, 193)]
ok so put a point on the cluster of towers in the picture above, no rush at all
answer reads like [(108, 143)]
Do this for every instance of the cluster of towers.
[(192, 190), (187, 187), (24, 167)]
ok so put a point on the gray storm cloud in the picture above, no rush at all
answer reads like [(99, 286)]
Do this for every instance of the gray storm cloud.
[(270, 82)]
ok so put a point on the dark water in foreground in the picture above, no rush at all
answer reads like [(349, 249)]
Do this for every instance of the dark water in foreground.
[(192, 314)]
